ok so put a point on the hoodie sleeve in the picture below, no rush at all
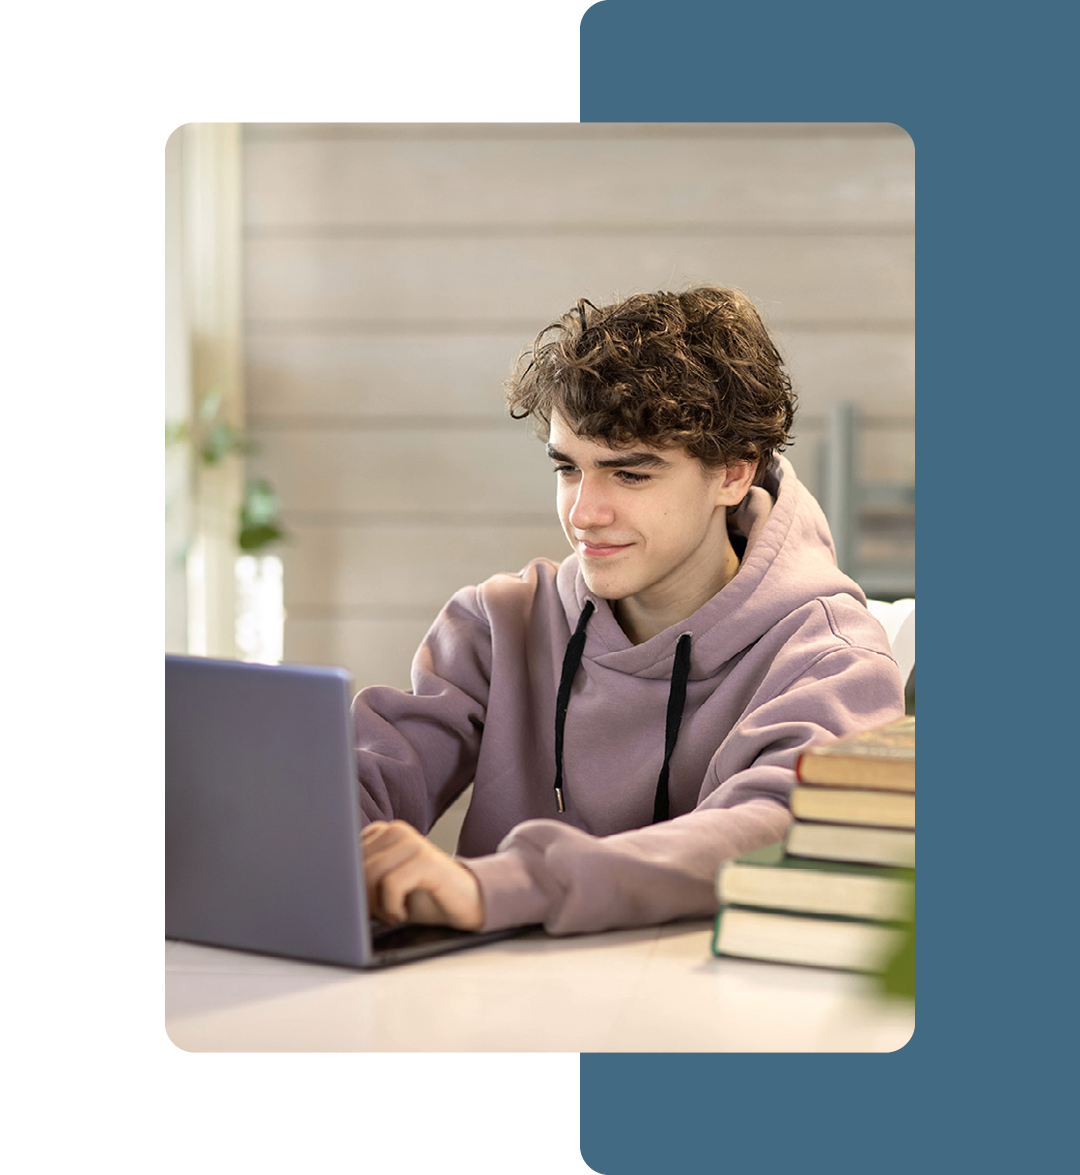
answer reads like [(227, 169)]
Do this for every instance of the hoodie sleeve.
[(572, 882), (575, 883), (416, 751)]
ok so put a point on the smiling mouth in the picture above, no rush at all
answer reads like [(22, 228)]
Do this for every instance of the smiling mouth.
[(601, 550)]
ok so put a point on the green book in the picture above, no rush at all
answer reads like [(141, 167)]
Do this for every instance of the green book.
[(771, 879), (805, 939)]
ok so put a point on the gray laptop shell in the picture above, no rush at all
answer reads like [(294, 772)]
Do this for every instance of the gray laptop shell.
[(261, 821)]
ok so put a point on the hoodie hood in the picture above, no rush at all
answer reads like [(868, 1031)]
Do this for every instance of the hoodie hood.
[(788, 562)]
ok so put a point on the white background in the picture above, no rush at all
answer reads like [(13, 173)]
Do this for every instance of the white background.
[(91, 93)]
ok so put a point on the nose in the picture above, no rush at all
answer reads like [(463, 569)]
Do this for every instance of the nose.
[(592, 507)]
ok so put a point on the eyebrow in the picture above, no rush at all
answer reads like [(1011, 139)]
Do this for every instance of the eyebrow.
[(632, 460)]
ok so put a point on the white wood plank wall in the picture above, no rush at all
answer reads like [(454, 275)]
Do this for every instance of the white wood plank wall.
[(393, 273)]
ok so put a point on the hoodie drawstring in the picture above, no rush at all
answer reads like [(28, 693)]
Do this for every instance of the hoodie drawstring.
[(571, 661), (680, 673), (675, 703)]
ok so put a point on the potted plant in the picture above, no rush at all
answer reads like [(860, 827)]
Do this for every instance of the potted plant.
[(260, 612)]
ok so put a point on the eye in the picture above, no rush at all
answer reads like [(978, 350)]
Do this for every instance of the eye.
[(632, 479), (564, 470)]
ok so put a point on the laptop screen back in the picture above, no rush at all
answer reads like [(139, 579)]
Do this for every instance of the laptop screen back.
[(261, 817)]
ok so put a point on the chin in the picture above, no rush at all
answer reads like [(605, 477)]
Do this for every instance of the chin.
[(605, 589)]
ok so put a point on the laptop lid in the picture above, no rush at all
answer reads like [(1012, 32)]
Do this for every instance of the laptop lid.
[(262, 830)]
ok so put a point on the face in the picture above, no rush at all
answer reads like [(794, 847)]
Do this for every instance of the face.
[(648, 525)]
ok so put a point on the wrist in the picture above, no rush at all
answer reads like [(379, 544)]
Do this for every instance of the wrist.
[(473, 907)]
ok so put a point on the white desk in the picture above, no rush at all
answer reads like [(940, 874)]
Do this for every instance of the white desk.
[(657, 989)]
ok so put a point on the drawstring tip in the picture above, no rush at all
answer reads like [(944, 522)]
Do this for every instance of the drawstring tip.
[(559, 805)]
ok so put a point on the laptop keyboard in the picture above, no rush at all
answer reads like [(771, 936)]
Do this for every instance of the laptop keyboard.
[(395, 938)]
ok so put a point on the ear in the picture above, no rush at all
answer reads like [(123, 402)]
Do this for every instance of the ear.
[(733, 482)]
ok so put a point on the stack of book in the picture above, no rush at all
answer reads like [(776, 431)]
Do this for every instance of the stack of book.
[(839, 889)]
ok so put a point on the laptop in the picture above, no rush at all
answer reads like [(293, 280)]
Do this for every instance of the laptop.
[(262, 820)]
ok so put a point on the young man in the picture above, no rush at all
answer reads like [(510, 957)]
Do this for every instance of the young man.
[(632, 716)]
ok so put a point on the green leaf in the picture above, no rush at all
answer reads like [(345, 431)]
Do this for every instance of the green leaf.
[(899, 976), (221, 440), (210, 405), (253, 538), (261, 506), (260, 524)]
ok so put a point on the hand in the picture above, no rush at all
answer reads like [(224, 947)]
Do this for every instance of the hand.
[(411, 880)]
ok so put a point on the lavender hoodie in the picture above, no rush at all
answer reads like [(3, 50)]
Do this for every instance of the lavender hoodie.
[(786, 655)]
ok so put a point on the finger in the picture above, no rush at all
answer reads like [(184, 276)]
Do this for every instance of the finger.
[(381, 849), (374, 880), (417, 873), (432, 888), (421, 906), (395, 886), (380, 831), (388, 852), (375, 831), (386, 848), (396, 845)]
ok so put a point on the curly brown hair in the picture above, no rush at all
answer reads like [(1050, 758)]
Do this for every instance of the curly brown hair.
[(695, 369)]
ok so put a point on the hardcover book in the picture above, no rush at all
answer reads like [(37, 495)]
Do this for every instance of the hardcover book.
[(780, 882), (804, 939), (851, 806), (848, 842), (879, 758)]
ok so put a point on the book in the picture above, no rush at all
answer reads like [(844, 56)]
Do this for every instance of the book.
[(805, 939), (880, 758), (844, 805), (774, 880), (839, 892), (849, 842)]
